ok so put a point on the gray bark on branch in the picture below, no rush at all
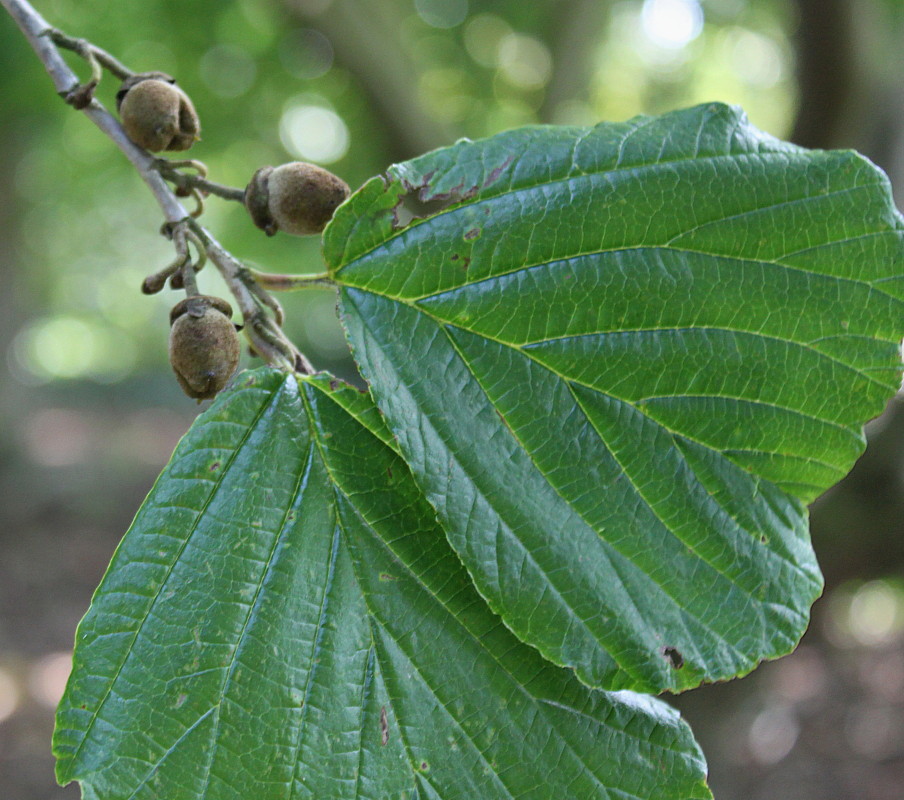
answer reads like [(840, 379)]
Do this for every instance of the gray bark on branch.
[(266, 337)]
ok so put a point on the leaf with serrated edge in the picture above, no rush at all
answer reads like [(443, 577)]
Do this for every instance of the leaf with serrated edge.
[(285, 619), (620, 361)]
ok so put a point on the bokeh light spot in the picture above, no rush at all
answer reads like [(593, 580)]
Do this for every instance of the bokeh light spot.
[(483, 35), (306, 54), (442, 13), (773, 735), (672, 23), (9, 695), (314, 133), (524, 61), (48, 677), (876, 613), (72, 347), (756, 59), (228, 70)]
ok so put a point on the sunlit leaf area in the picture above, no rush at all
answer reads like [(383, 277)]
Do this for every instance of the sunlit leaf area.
[(91, 411)]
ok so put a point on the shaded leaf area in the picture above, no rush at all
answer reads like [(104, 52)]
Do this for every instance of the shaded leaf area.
[(285, 619), (619, 361)]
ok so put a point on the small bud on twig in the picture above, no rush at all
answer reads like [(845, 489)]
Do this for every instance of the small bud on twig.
[(203, 345), (156, 114), (297, 198)]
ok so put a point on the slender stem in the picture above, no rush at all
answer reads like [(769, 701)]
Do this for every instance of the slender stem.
[(155, 283), (266, 339), (187, 180), (187, 269), (199, 203), (289, 283), (264, 334), (89, 51), (33, 25)]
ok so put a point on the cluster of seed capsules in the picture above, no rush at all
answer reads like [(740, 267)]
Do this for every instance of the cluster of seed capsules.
[(296, 198)]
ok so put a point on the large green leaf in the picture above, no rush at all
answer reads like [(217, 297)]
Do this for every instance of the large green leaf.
[(619, 362), (284, 619)]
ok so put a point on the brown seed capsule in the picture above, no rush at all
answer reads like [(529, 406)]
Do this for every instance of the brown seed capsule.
[(203, 345), (297, 198), (156, 114)]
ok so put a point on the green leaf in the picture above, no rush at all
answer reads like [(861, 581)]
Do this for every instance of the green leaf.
[(619, 362), (285, 619)]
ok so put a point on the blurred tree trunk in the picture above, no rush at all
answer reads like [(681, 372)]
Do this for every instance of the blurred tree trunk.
[(368, 46), (576, 29), (826, 70), (849, 67), (850, 62)]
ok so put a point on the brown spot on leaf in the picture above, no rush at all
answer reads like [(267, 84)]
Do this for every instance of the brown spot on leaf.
[(472, 234), (384, 727), (494, 175)]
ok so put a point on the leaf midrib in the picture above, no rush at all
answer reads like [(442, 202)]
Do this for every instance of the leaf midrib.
[(806, 158), (637, 404), (665, 526), (176, 559)]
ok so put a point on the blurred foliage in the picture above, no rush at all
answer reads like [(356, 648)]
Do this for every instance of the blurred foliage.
[(352, 84)]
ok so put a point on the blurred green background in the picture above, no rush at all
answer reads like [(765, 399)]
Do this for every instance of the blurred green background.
[(89, 411)]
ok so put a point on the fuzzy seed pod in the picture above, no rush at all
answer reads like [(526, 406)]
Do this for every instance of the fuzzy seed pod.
[(297, 198), (156, 114), (203, 345)]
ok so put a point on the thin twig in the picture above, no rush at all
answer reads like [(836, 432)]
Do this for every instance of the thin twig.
[(268, 300), (277, 282), (202, 252), (172, 171), (265, 336), (89, 51), (155, 283), (187, 269), (280, 351), (199, 203)]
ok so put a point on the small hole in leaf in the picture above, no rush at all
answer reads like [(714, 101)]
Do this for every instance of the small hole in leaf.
[(674, 657), (416, 203)]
